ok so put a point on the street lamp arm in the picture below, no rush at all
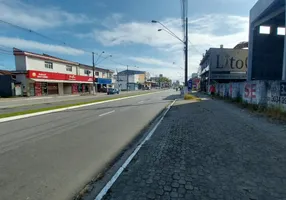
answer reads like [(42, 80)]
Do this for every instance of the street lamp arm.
[(104, 59), (99, 56), (170, 33)]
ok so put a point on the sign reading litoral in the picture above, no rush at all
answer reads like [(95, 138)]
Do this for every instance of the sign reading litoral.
[(57, 76), (228, 63)]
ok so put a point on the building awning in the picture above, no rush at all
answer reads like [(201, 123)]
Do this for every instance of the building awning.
[(103, 80), (57, 81)]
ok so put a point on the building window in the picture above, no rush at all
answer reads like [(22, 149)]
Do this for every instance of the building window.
[(49, 65), (87, 72), (264, 30), (96, 73), (281, 31), (69, 68)]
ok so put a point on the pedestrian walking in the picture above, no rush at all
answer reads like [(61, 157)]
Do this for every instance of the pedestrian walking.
[(212, 90)]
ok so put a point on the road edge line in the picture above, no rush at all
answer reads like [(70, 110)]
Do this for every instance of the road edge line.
[(7, 119), (109, 184)]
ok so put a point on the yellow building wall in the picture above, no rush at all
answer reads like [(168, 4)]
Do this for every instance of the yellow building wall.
[(141, 78)]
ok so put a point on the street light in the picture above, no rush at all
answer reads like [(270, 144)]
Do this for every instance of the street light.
[(104, 59), (160, 29), (167, 29), (99, 56), (93, 68), (185, 43), (178, 65)]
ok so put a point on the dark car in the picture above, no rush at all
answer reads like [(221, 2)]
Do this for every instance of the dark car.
[(112, 91)]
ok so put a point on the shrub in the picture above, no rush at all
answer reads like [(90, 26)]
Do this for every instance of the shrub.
[(190, 97)]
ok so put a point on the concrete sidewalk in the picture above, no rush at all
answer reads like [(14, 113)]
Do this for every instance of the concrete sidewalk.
[(207, 150)]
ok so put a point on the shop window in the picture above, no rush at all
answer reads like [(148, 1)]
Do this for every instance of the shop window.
[(87, 72), (69, 68), (96, 73), (49, 65)]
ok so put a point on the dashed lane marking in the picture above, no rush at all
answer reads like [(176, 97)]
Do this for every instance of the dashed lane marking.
[(107, 113)]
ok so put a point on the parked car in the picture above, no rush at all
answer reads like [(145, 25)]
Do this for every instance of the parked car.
[(112, 91)]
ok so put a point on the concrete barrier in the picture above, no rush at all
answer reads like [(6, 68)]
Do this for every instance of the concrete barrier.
[(266, 93)]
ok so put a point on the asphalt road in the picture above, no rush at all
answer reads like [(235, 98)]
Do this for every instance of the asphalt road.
[(23, 104), (53, 156)]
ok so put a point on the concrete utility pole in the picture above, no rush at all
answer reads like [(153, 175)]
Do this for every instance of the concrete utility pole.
[(93, 75), (185, 41), (186, 54), (127, 79)]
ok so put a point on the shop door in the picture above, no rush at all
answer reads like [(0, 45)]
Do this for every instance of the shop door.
[(53, 88), (32, 89), (44, 88)]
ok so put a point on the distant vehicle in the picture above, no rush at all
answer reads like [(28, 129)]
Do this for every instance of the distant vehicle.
[(112, 91)]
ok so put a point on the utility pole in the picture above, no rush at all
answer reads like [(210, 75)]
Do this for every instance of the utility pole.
[(186, 54), (127, 79), (93, 75)]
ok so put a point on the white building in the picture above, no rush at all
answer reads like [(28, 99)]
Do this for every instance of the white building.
[(130, 79), (47, 75)]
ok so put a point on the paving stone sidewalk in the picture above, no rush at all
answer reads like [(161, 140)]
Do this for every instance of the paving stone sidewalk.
[(208, 150)]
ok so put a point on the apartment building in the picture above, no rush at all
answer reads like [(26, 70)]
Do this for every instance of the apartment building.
[(131, 79)]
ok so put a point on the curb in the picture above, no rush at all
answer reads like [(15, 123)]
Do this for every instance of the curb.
[(109, 184)]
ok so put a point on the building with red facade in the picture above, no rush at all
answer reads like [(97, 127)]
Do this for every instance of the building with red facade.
[(42, 74)]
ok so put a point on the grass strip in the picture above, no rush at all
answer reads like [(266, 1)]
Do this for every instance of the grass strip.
[(4, 115), (191, 97), (272, 112)]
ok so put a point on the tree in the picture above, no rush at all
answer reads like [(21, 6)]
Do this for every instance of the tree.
[(164, 80)]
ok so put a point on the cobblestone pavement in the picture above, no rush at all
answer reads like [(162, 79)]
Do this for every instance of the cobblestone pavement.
[(208, 150)]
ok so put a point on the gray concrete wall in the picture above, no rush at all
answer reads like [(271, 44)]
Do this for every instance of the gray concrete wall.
[(259, 8), (266, 64), (267, 93), (61, 88)]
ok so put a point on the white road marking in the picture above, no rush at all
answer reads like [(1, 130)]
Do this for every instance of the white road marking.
[(125, 164), (140, 102), (107, 113), (6, 119)]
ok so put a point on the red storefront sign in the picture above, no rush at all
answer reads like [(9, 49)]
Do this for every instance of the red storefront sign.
[(57, 76)]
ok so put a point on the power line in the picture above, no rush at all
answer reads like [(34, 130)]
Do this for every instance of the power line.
[(6, 53), (117, 62), (41, 35), (49, 38), (5, 50)]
